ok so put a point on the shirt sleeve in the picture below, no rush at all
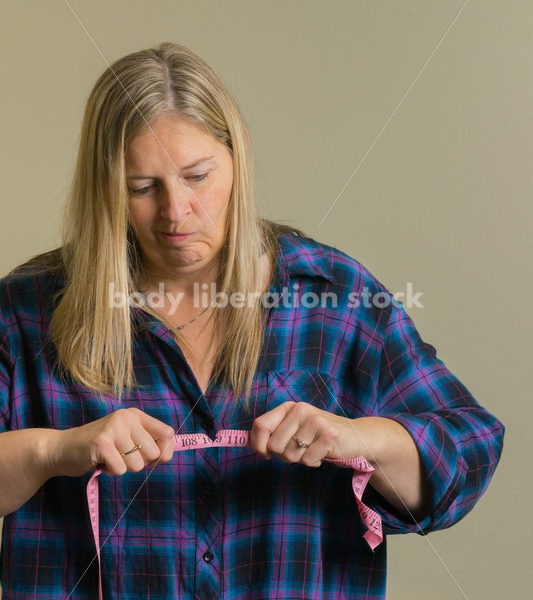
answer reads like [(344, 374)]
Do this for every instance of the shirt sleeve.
[(460, 442), (5, 376)]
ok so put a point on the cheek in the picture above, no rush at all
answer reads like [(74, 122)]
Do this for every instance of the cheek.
[(219, 197), (140, 216)]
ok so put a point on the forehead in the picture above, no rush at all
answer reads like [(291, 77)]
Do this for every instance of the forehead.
[(170, 138)]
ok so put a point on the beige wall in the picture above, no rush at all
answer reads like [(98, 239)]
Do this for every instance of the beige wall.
[(442, 200)]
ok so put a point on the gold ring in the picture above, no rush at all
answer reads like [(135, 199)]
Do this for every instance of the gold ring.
[(300, 443), (137, 447)]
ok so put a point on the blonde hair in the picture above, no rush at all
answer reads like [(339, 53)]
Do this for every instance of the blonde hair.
[(93, 338)]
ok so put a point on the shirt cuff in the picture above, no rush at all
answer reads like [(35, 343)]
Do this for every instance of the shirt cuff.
[(445, 471)]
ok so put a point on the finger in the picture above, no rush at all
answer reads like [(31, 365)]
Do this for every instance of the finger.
[(153, 434), (150, 450), (264, 425), (163, 449), (166, 447), (304, 423), (320, 432), (156, 428), (133, 461), (162, 434), (314, 452), (282, 441), (111, 462)]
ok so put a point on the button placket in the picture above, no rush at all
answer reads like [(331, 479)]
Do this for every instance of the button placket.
[(208, 523), (208, 490)]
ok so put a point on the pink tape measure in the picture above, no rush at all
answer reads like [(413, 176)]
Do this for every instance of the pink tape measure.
[(239, 438)]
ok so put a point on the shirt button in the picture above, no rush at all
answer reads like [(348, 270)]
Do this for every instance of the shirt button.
[(208, 557), (208, 490), (205, 424)]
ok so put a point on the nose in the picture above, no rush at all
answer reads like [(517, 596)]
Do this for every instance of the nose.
[(175, 199)]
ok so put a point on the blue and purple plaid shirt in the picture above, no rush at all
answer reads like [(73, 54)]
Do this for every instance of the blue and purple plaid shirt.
[(223, 523)]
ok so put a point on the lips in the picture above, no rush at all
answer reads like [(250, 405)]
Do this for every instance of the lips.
[(176, 237)]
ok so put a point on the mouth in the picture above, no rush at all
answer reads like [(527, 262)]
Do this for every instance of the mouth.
[(174, 238)]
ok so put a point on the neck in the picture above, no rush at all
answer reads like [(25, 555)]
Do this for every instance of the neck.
[(184, 284)]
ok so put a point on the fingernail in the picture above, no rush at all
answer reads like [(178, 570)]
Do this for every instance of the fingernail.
[(268, 456)]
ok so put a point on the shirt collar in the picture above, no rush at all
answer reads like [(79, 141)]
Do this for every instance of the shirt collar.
[(302, 256)]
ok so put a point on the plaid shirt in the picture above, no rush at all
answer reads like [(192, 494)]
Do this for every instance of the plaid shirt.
[(222, 522)]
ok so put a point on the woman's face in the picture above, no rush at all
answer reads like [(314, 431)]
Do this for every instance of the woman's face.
[(179, 220)]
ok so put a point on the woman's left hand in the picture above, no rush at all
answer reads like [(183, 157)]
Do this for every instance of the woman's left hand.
[(327, 435)]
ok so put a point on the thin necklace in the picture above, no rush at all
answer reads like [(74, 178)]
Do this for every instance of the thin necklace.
[(180, 327)]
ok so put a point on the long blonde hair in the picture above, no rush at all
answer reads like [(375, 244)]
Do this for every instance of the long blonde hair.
[(93, 338)]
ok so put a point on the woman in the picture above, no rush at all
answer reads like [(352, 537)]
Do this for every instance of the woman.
[(172, 307)]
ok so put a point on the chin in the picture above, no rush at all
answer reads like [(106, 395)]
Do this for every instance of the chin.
[(188, 261)]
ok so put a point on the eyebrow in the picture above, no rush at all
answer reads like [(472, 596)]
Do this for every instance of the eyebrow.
[(190, 166)]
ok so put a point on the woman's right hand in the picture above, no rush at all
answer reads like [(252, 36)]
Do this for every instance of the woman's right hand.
[(99, 444)]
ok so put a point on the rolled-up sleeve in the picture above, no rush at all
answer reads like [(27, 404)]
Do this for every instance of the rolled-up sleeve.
[(459, 441), (5, 376)]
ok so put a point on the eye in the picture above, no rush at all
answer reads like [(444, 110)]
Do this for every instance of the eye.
[(198, 177), (141, 191), (144, 190)]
